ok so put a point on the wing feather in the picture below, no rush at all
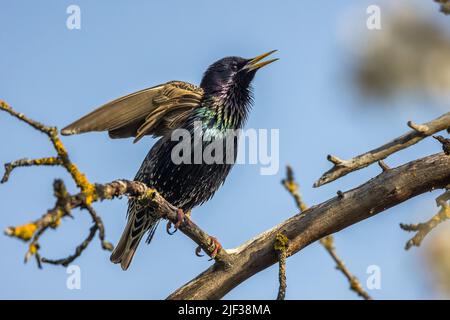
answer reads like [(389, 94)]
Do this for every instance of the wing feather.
[(149, 111)]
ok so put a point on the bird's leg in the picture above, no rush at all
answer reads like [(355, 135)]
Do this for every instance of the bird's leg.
[(181, 217)]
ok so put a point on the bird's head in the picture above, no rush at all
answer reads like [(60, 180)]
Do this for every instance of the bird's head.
[(229, 78)]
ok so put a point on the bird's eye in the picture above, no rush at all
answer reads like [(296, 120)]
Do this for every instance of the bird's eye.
[(234, 66)]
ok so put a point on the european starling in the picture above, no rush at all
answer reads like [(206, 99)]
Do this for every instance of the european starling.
[(221, 102)]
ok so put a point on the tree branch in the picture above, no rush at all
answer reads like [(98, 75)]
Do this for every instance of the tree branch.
[(420, 131), (378, 194)]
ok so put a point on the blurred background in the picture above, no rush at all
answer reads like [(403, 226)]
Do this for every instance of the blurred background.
[(338, 88)]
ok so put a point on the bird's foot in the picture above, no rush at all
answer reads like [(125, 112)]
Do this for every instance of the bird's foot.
[(217, 247), (213, 243), (168, 227), (181, 218), (198, 251)]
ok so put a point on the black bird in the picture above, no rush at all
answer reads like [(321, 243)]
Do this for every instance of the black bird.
[(221, 102)]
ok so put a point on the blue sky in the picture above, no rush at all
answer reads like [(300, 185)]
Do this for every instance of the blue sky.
[(55, 75)]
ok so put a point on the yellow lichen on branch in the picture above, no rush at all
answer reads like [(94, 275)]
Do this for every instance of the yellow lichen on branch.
[(83, 183), (24, 232), (281, 242), (33, 249)]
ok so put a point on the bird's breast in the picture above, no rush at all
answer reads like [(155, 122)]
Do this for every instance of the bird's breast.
[(193, 178)]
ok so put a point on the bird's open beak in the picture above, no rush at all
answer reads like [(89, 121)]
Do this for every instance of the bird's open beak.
[(253, 64)]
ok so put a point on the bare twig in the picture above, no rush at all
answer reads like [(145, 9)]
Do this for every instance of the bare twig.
[(78, 251), (383, 165), (420, 131), (327, 242), (9, 167), (445, 144), (355, 284), (97, 226), (98, 222), (423, 229)]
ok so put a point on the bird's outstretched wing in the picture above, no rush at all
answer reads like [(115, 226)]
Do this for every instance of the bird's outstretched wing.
[(154, 111)]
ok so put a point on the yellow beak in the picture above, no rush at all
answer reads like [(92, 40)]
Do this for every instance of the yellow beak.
[(253, 64)]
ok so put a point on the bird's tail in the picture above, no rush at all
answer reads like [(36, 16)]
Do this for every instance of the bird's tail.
[(139, 222)]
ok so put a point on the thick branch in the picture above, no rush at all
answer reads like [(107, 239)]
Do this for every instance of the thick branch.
[(380, 193), (419, 132)]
